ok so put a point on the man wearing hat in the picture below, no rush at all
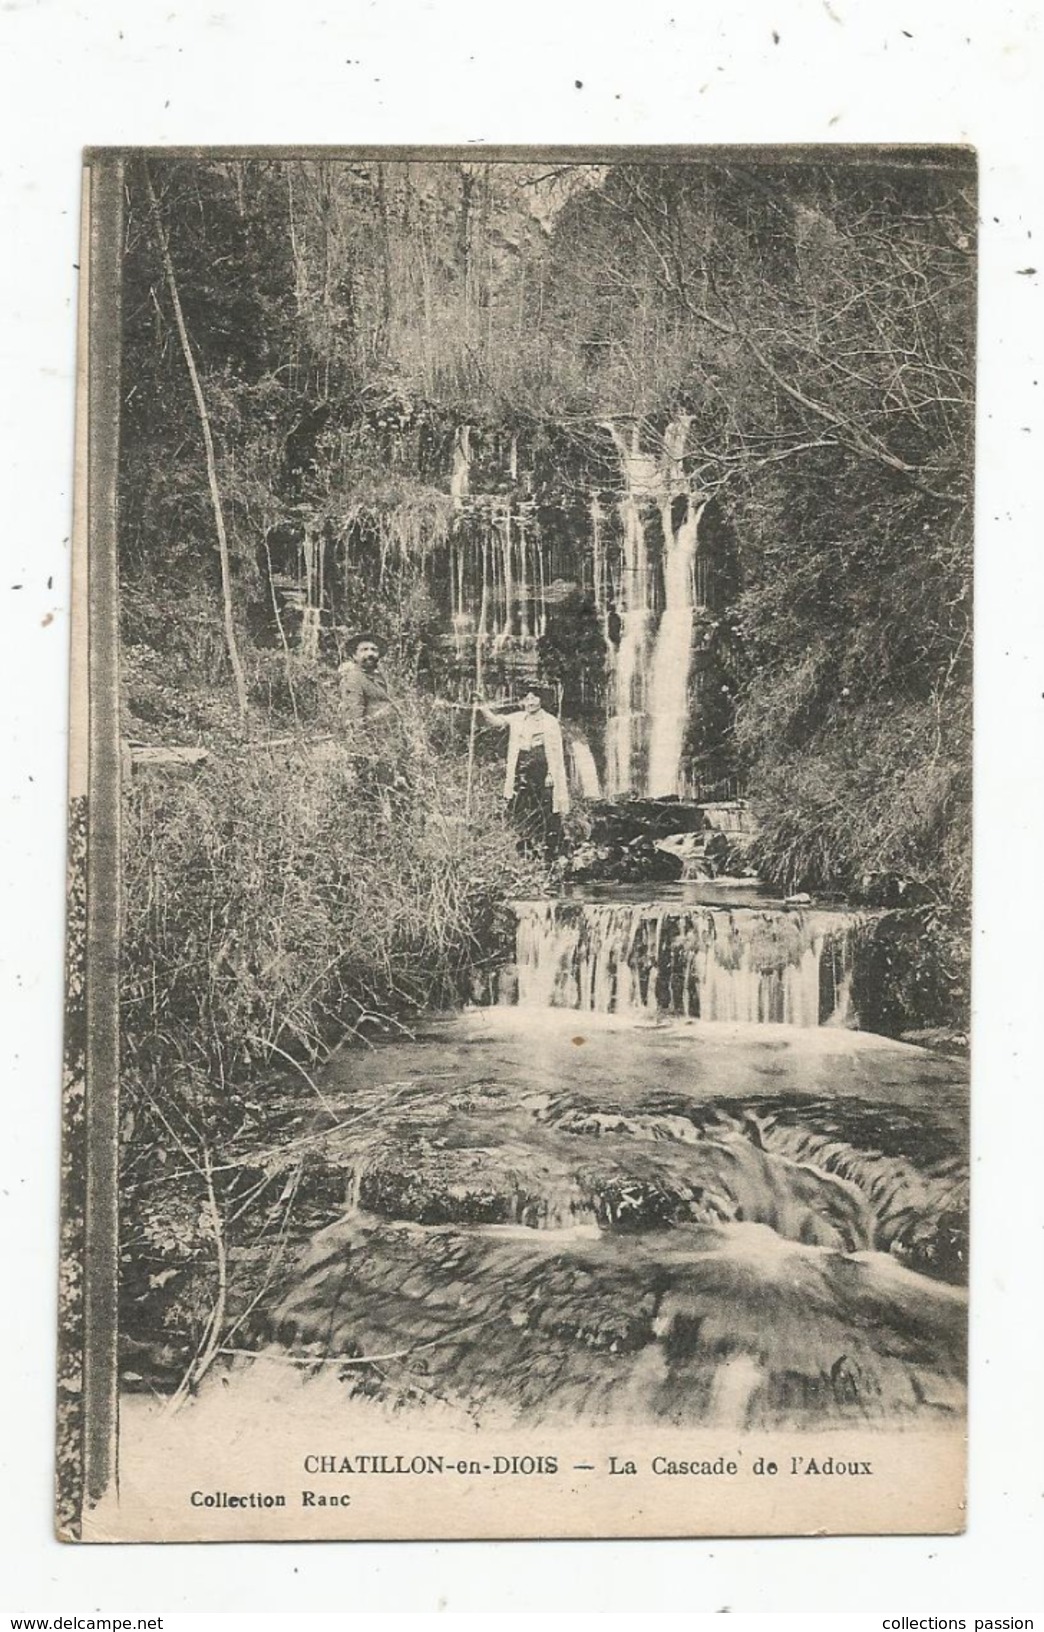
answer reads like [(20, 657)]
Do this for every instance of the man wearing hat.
[(364, 700), (373, 724)]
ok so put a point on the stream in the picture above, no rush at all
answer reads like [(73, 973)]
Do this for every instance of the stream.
[(670, 1182)]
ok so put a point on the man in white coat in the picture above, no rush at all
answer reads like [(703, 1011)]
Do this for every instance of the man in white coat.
[(535, 783)]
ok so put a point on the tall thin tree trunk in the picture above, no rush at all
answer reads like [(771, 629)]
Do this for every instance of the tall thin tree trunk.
[(300, 272), (467, 187), (386, 259), (208, 445), (289, 667)]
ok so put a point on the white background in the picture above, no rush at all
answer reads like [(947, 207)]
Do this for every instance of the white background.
[(301, 71)]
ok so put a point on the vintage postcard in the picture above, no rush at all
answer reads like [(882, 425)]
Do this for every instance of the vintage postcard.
[(520, 826)]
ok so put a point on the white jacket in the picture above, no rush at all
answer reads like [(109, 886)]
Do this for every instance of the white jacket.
[(552, 735)]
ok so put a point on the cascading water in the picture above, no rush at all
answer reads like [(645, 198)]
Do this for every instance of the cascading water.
[(584, 769), (742, 1226), (672, 654), (682, 1221), (649, 697), (508, 578), (461, 467), (507, 565), (710, 963), (627, 700)]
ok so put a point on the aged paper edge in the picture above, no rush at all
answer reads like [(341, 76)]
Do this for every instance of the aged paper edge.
[(88, 1301)]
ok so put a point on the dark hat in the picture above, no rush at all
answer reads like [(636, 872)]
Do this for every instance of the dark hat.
[(353, 642), (547, 694)]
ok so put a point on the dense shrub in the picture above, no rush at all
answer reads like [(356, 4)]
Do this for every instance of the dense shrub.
[(883, 796), (277, 901), (881, 812), (911, 975), (277, 897)]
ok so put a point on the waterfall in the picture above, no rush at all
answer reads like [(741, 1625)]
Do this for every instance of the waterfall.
[(627, 701), (483, 613), (585, 771), (503, 525), (640, 560), (598, 562), (460, 473), (751, 965), (541, 620), (648, 701), (672, 655), (523, 582)]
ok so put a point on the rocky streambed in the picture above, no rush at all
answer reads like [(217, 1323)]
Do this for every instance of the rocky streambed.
[(597, 1219)]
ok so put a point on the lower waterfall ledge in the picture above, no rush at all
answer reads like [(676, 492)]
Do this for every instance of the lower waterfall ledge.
[(716, 963)]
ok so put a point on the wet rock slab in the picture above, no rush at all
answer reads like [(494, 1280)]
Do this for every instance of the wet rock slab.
[(839, 1174), (732, 1327), (552, 1239)]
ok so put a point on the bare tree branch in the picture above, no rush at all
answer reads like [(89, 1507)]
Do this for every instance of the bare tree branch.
[(208, 445)]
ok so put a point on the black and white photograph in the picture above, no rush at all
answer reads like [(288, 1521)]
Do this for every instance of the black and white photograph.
[(519, 953)]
